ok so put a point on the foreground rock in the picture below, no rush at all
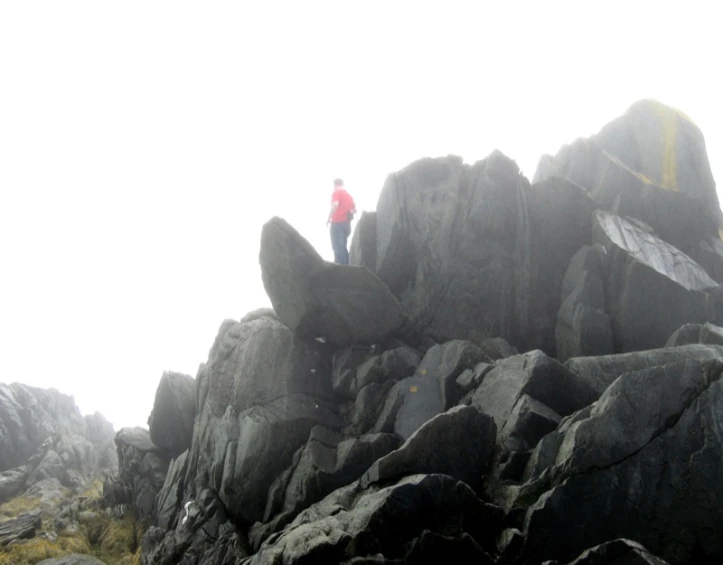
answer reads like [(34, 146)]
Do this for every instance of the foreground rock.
[(655, 435), (342, 304), (426, 511)]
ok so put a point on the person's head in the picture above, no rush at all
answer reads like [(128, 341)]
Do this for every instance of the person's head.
[(338, 183)]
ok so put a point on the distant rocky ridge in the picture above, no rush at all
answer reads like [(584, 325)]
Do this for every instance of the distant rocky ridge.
[(510, 373)]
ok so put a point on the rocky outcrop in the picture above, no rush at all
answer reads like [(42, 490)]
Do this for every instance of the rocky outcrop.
[(171, 421), (383, 412), (341, 304), (43, 436)]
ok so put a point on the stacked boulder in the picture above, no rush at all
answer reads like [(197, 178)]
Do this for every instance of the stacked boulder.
[(383, 413)]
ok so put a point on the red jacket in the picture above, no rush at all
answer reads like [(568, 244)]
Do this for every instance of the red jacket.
[(346, 203)]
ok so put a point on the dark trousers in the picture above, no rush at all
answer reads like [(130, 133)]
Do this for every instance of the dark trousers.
[(340, 232)]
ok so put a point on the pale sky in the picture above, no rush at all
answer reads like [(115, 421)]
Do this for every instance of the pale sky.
[(144, 144)]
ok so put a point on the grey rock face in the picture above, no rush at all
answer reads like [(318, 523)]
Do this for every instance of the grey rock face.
[(583, 327), (342, 304), (352, 521), (643, 273), (436, 448), (171, 421), (655, 435)]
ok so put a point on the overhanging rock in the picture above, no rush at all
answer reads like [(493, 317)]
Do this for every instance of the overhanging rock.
[(339, 303)]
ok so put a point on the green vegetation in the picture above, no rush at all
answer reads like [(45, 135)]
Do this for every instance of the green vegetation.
[(115, 541)]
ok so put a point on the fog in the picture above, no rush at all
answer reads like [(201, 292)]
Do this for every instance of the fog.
[(144, 144)]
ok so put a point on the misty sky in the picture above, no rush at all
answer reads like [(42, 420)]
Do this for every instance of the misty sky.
[(144, 144)]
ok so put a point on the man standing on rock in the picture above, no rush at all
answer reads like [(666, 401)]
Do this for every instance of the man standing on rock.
[(340, 216)]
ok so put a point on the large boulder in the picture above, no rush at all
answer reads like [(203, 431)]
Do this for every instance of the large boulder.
[(389, 523), (651, 164), (72, 559), (474, 252), (339, 303), (171, 421), (23, 527), (643, 273), (655, 436)]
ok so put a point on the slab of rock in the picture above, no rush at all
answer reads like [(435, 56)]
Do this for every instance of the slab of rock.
[(342, 304), (643, 273), (437, 447), (174, 409), (23, 527), (355, 522), (168, 501), (583, 328), (601, 372), (538, 376), (654, 435)]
